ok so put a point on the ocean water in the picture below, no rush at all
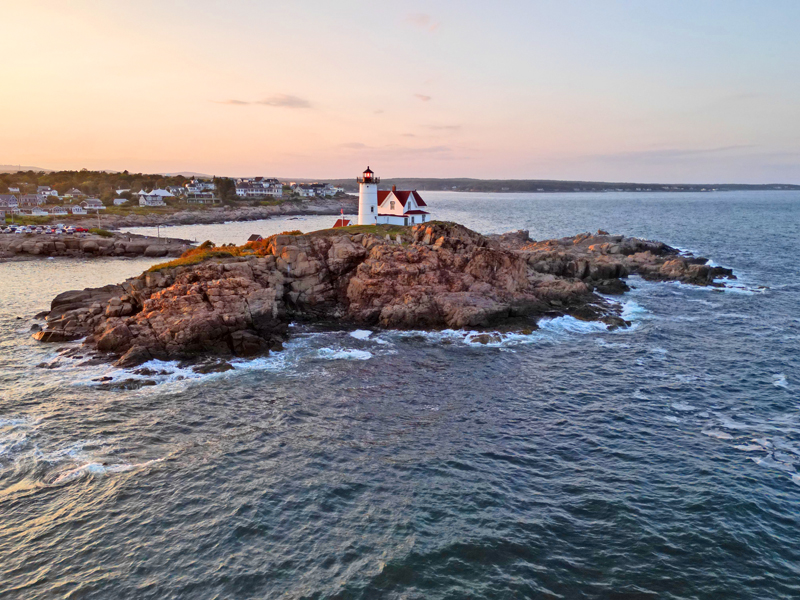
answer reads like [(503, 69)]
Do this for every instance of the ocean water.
[(659, 461)]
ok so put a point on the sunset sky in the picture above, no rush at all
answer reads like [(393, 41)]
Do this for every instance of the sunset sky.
[(678, 91)]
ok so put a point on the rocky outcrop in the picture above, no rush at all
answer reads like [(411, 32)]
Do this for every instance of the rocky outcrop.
[(28, 246), (438, 275)]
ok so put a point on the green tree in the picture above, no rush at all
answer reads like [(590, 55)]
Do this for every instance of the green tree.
[(226, 189)]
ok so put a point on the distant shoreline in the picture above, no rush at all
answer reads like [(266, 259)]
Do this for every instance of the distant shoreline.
[(533, 186)]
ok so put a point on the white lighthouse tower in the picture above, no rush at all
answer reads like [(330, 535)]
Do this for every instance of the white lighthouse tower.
[(368, 198)]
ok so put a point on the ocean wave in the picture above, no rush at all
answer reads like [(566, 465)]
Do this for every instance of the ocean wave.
[(343, 354), (715, 433), (361, 334), (683, 407), (99, 469), (771, 463), (779, 380), (568, 324), (704, 302), (631, 311), (604, 344)]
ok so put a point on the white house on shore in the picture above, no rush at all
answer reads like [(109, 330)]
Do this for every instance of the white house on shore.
[(93, 204), (77, 210), (259, 187), (388, 207), (154, 198)]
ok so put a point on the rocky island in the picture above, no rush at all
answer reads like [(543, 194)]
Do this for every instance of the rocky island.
[(91, 245), (239, 301)]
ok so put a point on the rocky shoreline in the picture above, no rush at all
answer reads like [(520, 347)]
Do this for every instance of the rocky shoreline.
[(214, 215), (228, 301), (40, 246)]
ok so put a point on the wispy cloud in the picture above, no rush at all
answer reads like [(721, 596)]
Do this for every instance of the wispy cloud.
[(443, 127), (422, 21), (423, 97), (396, 151), (279, 100), (675, 153)]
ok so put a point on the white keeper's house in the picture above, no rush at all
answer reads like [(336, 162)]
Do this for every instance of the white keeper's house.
[(388, 207)]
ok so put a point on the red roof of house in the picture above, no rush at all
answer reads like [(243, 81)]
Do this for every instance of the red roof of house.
[(341, 223), (401, 196), (416, 212)]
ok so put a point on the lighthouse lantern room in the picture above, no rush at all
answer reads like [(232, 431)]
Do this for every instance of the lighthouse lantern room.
[(368, 198)]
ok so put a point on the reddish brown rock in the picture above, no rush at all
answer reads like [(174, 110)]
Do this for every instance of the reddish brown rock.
[(435, 275)]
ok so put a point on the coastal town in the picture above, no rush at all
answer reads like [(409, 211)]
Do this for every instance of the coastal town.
[(30, 200)]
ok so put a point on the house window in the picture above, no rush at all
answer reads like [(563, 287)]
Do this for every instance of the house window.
[(391, 204), (372, 209), (412, 220)]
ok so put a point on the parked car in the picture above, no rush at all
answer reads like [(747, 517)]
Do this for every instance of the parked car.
[(81, 230)]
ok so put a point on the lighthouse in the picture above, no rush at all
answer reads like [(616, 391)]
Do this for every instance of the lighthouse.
[(368, 198)]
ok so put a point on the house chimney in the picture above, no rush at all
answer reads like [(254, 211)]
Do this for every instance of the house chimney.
[(394, 188)]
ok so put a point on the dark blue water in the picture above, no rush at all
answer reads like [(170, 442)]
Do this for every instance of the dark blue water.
[(658, 462)]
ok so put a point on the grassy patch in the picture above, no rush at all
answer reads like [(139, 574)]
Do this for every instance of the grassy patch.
[(101, 232), (205, 251), (379, 230), (28, 220)]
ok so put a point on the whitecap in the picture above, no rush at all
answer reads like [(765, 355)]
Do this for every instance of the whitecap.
[(361, 334), (729, 423), (72, 451), (779, 380), (704, 302), (715, 433), (94, 468), (672, 419), (796, 478), (749, 447), (683, 406), (604, 344), (632, 310), (771, 463), (568, 324), (330, 353)]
